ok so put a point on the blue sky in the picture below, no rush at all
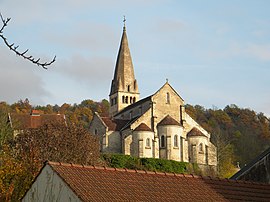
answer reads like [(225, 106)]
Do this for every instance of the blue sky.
[(214, 53)]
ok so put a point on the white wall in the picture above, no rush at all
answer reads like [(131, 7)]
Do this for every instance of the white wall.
[(49, 187)]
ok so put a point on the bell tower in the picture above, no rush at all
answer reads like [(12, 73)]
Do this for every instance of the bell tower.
[(124, 87)]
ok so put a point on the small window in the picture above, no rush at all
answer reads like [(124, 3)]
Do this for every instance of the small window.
[(134, 99), (201, 148), (123, 99), (128, 88), (162, 141), (148, 142), (168, 98), (135, 83), (104, 140), (96, 132), (175, 141), (126, 100)]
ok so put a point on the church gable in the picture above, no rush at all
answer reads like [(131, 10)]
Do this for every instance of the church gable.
[(167, 101)]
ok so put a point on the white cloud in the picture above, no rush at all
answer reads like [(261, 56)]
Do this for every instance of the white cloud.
[(19, 79), (91, 71)]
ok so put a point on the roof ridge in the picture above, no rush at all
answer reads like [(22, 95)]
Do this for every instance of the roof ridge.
[(153, 173), (123, 169)]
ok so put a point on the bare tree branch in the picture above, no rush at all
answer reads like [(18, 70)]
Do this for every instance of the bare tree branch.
[(21, 54)]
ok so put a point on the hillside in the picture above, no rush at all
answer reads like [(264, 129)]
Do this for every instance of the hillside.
[(239, 134)]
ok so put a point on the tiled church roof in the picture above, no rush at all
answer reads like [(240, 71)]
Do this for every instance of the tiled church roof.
[(108, 184), (114, 124), (168, 120), (195, 132), (142, 127)]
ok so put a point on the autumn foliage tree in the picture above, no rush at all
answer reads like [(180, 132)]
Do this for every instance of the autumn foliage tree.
[(59, 142), (22, 158), (239, 134)]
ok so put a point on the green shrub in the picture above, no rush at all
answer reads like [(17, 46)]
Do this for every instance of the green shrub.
[(151, 164)]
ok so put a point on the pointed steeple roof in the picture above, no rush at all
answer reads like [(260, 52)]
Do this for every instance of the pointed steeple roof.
[(124, 72)]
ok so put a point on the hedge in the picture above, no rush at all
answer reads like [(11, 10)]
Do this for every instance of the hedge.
[(151, 164)]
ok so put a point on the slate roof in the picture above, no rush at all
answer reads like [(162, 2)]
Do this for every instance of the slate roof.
[(195, 132), (34, 120), (91, 183), (168, 120), (142, 127), (252, 165)]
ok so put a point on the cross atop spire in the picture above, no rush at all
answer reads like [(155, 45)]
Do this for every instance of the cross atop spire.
[(124, 21)]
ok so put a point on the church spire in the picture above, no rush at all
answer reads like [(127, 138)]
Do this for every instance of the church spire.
[(124, 83)]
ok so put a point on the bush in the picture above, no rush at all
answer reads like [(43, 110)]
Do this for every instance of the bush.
[(151, 164)]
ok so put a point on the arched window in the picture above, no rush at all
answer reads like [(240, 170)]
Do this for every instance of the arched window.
[(168, 98), (128, 88), (162, 141), (201, 148), (123, 99), (126, 99), (134, 99), (175, 141), (148, 142)]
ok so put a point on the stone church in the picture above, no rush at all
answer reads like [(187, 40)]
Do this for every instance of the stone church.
[(154, 127)]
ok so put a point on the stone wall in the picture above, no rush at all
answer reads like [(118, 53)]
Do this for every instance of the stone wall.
[(171, 151), (139, 139), (98, 128)]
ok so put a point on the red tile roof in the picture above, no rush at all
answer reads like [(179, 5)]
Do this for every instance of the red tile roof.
[(26, 121), (108, 184), (142, 127), (114, 124), (168, 120), (195, 132)]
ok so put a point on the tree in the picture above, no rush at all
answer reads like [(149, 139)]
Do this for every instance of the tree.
[(21, 159), (59, 142), (6, 132), (14, 48)]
